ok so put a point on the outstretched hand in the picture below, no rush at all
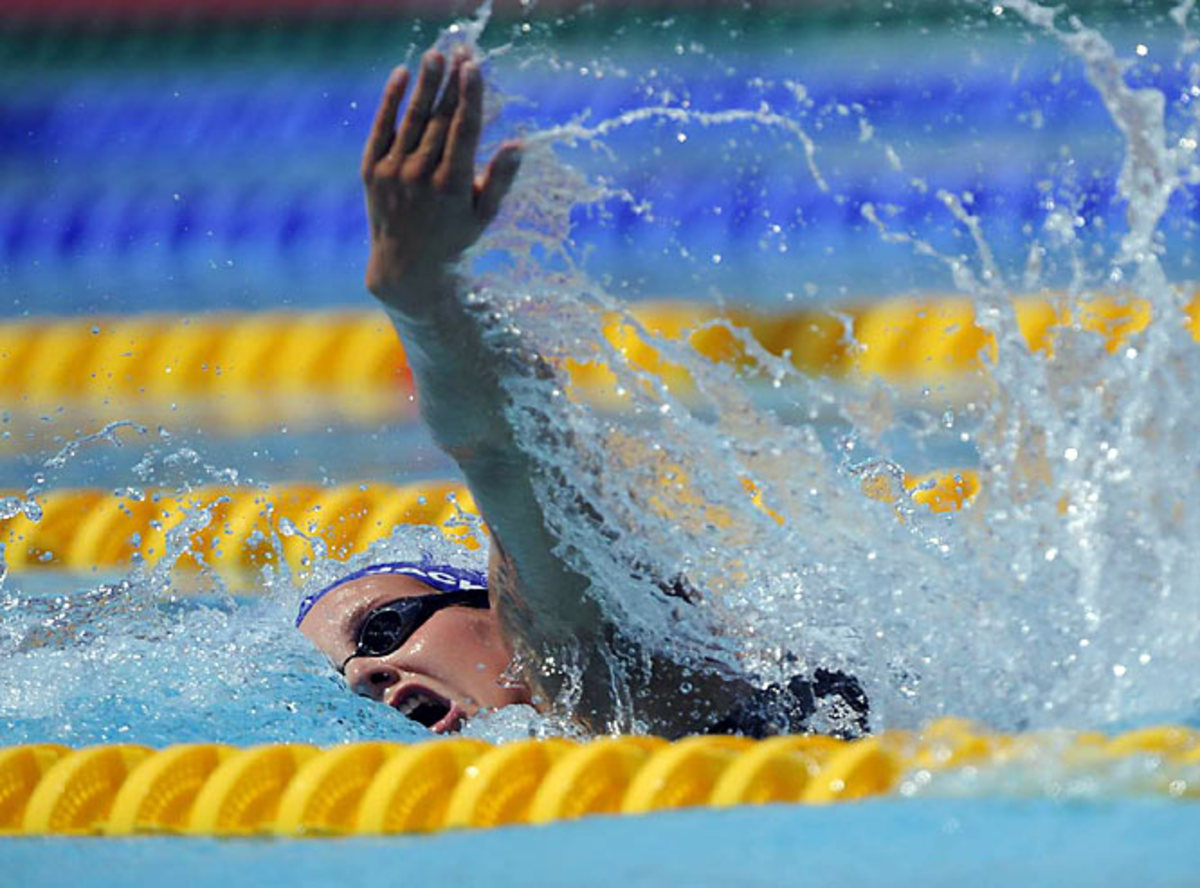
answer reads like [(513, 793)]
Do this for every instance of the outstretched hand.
[(425, 204)]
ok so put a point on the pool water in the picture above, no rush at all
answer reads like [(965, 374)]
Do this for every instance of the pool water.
[(868, 843)]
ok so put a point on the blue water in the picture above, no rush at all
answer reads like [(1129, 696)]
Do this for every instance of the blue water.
[(217, 187), (928, 843)]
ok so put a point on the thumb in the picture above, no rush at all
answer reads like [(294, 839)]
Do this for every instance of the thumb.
[(500, 175)]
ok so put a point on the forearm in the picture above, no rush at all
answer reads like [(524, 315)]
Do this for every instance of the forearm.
[(459, 378), (459, 390)]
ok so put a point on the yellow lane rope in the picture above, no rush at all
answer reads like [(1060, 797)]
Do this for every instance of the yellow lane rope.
[(85, 529), (241, 372), (249, 371), (376, 788)]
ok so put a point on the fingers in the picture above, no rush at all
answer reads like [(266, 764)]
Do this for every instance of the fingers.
[(383, 130), (500, 175), (413, 128), (439, 136), (429, 153), (457, 170)]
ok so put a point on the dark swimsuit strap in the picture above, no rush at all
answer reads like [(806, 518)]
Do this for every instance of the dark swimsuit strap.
[(789, 709)]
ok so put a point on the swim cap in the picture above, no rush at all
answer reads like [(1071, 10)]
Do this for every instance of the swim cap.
[(443, 577)]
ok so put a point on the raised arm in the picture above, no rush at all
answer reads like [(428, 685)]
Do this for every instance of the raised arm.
[(426, 206)]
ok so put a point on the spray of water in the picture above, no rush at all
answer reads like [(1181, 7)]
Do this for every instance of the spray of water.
[(1065, 596)]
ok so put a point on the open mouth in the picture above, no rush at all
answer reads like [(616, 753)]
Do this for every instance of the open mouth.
[(429, 709)]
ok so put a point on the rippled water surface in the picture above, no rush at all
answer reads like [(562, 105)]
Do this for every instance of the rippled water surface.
[(876, 843)]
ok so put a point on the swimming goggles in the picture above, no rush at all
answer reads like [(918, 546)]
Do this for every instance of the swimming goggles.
[(386, 628), (443, 577)]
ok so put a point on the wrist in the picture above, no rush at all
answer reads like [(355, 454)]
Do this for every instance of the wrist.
[(415, 290)]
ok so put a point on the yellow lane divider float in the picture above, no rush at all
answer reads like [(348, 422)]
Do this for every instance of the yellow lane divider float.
[(83, 529), (376, 788), (86, 529), (240, 370), (252, 370)]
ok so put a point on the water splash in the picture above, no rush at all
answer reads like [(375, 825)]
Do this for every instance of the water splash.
[(1066, 596)]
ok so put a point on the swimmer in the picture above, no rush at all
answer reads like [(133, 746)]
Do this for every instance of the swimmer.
[(439, 643)]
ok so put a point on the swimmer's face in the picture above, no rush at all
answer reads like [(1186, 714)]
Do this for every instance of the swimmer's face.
[(448, 670)]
